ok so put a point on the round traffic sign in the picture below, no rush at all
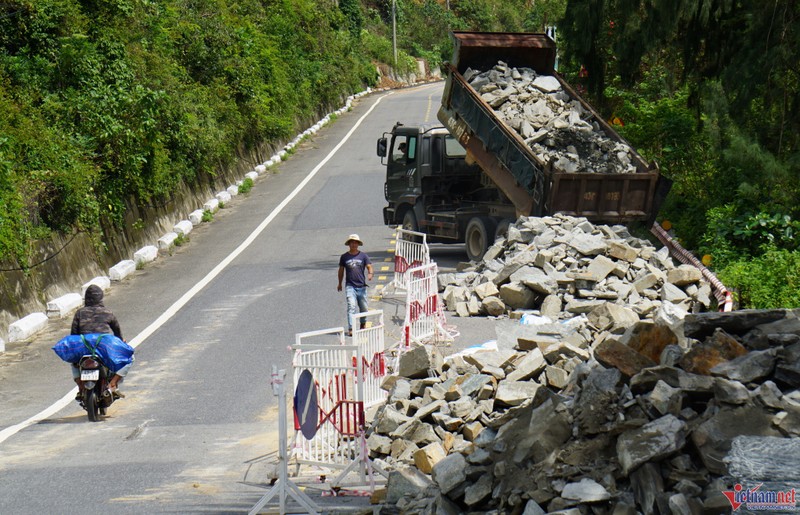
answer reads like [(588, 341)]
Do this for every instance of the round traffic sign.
[(305, 404)]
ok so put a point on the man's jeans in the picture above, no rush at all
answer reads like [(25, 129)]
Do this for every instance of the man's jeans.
[(356, 303)]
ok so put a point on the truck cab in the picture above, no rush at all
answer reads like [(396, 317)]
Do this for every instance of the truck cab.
[(432, 187)]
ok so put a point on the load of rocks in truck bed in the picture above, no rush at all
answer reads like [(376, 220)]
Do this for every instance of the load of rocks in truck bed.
[(665, 423), (556, 127), (561, 267)]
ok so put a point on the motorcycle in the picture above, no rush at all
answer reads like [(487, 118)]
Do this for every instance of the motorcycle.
[(95, 395)]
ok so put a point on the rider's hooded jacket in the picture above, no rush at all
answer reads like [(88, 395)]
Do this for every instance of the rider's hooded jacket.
[(94, 317)]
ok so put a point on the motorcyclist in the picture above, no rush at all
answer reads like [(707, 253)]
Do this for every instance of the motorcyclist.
[(94, 317)]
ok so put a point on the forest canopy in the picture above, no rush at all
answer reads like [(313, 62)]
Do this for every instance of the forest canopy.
[(710, 89)]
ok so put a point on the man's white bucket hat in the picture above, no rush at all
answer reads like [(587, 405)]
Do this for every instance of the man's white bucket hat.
[(353, 237)]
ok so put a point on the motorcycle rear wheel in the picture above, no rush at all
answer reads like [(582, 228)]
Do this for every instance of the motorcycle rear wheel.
[(92, 407)]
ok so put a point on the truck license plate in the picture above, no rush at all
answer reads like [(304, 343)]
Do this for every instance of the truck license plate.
[(90, 375)]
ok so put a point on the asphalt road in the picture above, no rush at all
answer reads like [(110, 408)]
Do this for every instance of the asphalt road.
[(200, 419)]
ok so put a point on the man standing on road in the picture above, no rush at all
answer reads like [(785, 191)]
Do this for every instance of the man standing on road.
[(352, 264)]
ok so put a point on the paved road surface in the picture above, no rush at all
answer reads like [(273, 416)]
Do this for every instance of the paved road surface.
[(200, 415)]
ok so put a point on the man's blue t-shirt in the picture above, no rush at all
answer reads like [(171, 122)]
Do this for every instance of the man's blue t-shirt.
[(354, 266)]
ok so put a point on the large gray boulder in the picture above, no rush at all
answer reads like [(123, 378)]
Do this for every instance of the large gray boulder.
[(651, 442)]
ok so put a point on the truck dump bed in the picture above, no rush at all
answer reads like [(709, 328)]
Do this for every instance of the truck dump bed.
[(530, 183)]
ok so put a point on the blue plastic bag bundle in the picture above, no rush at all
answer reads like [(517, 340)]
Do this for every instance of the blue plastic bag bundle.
[(114, 352)]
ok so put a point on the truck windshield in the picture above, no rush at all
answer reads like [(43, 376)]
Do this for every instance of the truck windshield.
[(452, 148)]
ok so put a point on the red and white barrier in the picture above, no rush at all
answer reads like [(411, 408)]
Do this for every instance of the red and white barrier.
[(425, 320), (728, 306), (721, 293), (411, 250), (373, 368), (340, 387)]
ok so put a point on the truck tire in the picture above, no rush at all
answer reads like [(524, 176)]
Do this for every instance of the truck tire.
[(410, 221), (478, 236), (502, 228)]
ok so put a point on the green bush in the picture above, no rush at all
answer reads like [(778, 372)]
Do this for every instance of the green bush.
[(246, 185), (731, 233), (771, 280)]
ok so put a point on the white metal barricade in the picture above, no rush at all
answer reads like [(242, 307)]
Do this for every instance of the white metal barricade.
[(338, 397), (411, 250), (425, 321), (339, 441), (370, 341)]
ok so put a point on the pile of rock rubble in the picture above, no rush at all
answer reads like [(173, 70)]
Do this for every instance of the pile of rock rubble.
[(622, 402), (565, 266), (491, 432), (556, 127)]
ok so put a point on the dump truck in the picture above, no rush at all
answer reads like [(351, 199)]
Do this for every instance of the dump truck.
[(466, 180)]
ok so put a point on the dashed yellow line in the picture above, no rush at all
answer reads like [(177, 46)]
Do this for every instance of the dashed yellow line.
[(385, 268)]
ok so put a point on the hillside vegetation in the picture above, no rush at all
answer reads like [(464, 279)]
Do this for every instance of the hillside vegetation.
[(711, 91), (112, 102)]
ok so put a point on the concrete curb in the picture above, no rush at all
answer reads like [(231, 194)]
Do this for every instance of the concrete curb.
[(25, 328), (64, 305)]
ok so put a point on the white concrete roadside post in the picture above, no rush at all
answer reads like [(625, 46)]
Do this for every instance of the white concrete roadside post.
[(167, 241), (196, 217), (145, 255), (26, 327), (122, 270), (64, 305), (102, 281), (223, 196), (211, 205), (183, 228)]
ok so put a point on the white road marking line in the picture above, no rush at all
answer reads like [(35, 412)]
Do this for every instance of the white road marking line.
[(10, 431)]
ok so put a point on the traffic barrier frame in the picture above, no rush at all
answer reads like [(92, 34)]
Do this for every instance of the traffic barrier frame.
[(721, 293), (424, 318), (408, 254), (371, 341), (339, 442)]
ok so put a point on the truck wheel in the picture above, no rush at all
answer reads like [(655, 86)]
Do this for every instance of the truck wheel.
[(477, 237), (502, 228), (410, 221)]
